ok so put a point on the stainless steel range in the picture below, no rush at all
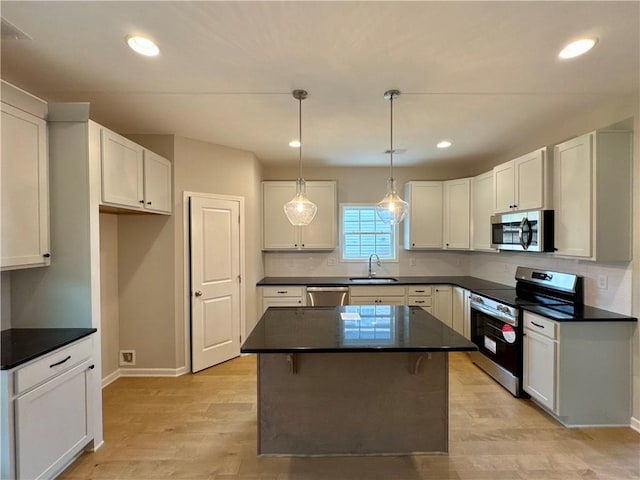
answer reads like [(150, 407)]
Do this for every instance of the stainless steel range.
[(496, 319)]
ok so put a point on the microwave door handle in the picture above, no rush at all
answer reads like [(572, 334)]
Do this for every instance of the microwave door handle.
[(525, 224)]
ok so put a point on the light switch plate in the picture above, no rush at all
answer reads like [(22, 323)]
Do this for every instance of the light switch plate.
[(602, 282)]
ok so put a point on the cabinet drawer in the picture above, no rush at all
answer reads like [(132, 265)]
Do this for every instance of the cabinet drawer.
[(282, 292), (51, 365), (540, 324), (419, 290), (376, 291), (419, 301)]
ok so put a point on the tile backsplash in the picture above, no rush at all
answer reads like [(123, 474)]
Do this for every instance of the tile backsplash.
[(607, 286)]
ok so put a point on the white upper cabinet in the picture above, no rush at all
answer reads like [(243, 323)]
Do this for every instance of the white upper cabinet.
[(520, 184), (24, 169), (423, 226), (277, 231), (457, 216), (481, 211), (157, 183), (133, 177), (592, 190)]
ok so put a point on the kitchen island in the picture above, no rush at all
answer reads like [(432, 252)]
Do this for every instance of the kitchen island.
[(356, 379)]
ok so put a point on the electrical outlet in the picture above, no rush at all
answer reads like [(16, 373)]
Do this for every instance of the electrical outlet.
[(603, 282), (412, 262), (127, 357)]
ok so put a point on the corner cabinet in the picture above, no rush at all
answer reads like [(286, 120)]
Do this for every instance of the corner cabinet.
[(592, 188), (521, 184), (457, 217), (481, 211), (132, 177), (24, 171), (277, 231), (424, 227)]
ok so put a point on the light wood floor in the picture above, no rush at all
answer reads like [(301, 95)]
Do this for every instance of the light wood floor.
[(204, 426)]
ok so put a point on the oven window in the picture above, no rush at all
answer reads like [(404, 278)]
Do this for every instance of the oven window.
[(496, 340)]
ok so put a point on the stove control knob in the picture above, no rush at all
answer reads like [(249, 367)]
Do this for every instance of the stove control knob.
[(477, 299)]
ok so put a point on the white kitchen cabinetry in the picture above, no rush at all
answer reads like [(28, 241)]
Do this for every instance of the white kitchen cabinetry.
[(460, 316), (132, 177), (47, 416), (457, 217), (580, 372), (481, 211), (592, 189), (24, 171), (277, 231), (423, 227), (157, 183), (521, 184), (540, 359), (443, 304), (391, 295), (420, 296), (282, 296)]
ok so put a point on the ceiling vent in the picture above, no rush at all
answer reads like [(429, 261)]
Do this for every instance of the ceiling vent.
[(11, 32)]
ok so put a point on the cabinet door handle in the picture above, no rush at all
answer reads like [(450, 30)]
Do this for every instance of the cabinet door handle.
[(91, 367), (537, 325), (46, 255), (148, 203), (60, 362), (140, 201), (198, 293)]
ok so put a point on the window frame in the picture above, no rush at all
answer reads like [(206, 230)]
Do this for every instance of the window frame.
[(395, 237)]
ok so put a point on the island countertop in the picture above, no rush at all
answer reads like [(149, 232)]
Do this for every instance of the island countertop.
[(352, 328)]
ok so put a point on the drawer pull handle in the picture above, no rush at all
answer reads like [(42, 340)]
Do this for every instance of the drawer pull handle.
[(60, 362), (419, 301), (283, 291), (419, 291), (537, 325)]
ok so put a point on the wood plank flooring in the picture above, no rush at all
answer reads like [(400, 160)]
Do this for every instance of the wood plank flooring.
[(203, 426)]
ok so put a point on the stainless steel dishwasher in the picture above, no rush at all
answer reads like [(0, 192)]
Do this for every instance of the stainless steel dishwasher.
[(327, 296)]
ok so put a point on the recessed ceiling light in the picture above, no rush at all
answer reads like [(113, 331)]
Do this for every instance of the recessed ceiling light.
[(294, 143), (444, 144), (577, 48), (142, 45)]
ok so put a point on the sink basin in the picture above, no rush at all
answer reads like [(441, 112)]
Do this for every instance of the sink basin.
[(373, 279)]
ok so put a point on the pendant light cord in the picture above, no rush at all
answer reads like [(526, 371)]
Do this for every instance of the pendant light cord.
[(300, 137), (391, 139)]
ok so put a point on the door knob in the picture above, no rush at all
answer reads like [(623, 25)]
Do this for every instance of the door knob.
[(198, 293)]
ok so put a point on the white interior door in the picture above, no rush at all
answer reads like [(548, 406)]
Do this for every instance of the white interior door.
[(215, 281)]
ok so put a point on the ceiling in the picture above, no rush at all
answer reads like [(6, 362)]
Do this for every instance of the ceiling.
[(477, 73)]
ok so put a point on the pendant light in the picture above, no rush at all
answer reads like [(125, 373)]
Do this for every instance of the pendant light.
[(300, 210), (391, 209)]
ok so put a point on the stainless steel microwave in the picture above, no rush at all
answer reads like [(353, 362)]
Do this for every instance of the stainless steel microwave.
[(524, 231)]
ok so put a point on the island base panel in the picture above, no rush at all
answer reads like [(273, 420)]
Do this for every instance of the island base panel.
[(353, 403)]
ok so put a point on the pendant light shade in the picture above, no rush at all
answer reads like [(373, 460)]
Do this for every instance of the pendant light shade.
[(391, 209), (300, 210)]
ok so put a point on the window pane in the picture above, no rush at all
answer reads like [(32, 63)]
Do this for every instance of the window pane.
[(363, 234)]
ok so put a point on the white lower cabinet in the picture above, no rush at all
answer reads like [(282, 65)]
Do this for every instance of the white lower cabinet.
[(46, 416), (282, 296), (460, 316), (443, 304), (392, 295), (580, 372), (540, 351), (420, 296)]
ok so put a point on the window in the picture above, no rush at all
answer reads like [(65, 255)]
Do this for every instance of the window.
[(363, 233)]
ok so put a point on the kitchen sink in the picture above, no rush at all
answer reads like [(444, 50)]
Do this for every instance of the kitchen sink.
[(373, 279)]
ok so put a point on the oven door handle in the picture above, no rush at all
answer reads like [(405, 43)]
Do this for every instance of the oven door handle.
[(525, 226), (494, 314)]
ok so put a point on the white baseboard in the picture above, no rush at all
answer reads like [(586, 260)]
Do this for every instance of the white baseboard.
[(143, 372), (635, 424), (112, 377)]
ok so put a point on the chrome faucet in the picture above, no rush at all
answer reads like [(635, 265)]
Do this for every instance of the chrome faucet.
[(371, 274)]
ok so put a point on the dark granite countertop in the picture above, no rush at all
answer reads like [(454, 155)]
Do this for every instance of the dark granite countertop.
[(470, 283), (583, 313), (19, 345), (387, 328)]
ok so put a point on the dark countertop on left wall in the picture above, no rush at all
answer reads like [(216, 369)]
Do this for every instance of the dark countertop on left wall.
[(20, 345)]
